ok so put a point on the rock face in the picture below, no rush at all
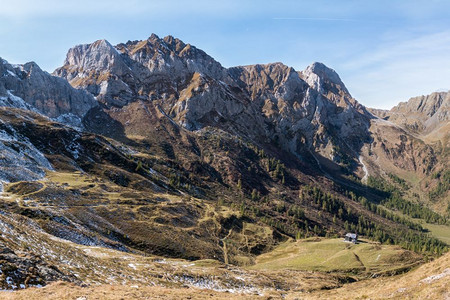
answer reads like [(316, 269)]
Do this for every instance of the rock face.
[(271, 104), (136, 87), (27, 86), (142, 70), (20, 159), (310, 108), (426, 115)]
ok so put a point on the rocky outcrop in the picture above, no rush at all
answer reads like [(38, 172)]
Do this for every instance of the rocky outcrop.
[(19, 271), (425, 115), (143, 70), (20, 159), (312, 104), (27, 86)]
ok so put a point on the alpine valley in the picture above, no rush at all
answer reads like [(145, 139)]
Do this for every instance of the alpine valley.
[(147, 168)]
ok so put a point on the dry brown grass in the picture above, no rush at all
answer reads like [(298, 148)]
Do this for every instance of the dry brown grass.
[(63, 290), (430, 281)]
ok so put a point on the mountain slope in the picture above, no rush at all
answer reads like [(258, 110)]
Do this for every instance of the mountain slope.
[(426, 118), (27, 86), (145, 84), (424, 115), (430, 281), (179, 157)]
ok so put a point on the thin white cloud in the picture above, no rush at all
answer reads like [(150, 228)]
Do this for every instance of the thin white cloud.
[(397, 70), (420, 47), (315, 19)]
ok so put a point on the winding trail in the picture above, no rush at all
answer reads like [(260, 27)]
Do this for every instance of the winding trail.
[(5, 197), (224, 247)]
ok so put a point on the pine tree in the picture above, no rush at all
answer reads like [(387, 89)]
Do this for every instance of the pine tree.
[(254, 195), (139, 166)]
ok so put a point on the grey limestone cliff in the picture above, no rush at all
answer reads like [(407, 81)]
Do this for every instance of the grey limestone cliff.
[(27, 86)]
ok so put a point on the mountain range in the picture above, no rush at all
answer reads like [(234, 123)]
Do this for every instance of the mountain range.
[(154, 148)]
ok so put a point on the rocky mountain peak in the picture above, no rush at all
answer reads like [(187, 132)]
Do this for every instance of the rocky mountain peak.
[(273, 78), (153, 37), (427, 105), (129, 71), (322, 78), (427, 115), (28, 86), (99, 56), (96, 67), (30, 67), (195, 91), (174, 43)]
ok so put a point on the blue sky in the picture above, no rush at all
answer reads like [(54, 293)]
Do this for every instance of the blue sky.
[(384, 51)]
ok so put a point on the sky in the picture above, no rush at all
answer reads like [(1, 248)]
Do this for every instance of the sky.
[(384, 51)]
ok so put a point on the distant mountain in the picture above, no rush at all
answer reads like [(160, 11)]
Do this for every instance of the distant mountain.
[(425, 115), (28, 87), (300, 111), (153, 147)]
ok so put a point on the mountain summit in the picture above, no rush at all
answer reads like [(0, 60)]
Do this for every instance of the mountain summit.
[(322, 78), (265, 102)]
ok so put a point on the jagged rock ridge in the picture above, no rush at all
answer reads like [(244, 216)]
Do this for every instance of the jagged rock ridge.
[(301, 111), (142, 85), (27, 86), (204, 161), (422, 115)]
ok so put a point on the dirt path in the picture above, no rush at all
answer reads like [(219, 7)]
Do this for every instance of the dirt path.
[(359, 260), (224, 247)]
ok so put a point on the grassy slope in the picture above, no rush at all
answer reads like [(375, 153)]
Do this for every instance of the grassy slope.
[(93, 265), (429, 281), (442, 232), (336, 255)]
